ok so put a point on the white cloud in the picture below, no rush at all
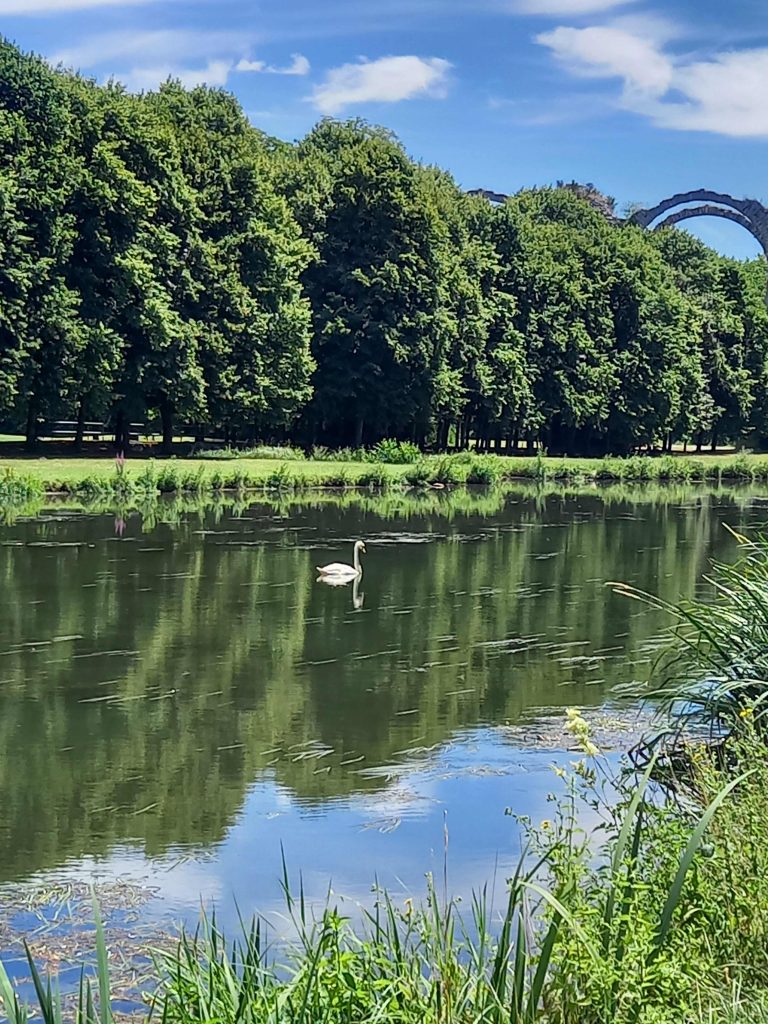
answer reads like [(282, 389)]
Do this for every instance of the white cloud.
[(387, 80), (649, 26), (567, 7), (299, 66), (60, 6), (152, 56), (723, 95), (159, 47), (139, 79), (608, 52), (251, 65)]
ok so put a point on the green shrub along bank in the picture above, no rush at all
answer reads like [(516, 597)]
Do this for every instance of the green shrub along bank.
[(19, 487), (389, 450), (192, 272), (657, 916)]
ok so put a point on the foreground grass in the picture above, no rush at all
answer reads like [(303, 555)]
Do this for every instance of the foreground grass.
[(659, 915)]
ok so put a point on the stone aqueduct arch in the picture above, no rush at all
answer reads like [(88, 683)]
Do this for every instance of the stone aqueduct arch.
[(749, 213)]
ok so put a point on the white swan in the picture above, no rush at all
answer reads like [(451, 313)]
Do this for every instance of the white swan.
[(340, 571)]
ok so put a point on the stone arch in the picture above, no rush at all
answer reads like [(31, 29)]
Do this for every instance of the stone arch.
[(705, 211), (749, 213)]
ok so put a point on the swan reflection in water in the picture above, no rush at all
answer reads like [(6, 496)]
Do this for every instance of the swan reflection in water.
[(339, 581)]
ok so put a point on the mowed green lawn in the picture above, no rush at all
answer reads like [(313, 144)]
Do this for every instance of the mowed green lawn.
[(54, 471)]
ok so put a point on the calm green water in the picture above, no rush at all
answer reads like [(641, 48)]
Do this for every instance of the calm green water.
[(179, 699)]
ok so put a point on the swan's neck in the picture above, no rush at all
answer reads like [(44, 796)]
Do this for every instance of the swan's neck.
[(357, 558)]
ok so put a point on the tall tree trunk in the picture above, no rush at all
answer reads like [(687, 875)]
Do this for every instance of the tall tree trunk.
[(31, 428), (166, 418), (80, 428), (122, 433), (714, 439), (359, 428)]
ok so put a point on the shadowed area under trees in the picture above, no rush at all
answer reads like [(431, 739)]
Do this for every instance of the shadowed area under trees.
[(164, 261)]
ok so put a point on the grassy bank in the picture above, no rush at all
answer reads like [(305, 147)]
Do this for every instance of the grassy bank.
[(658, 916), (285, 471)]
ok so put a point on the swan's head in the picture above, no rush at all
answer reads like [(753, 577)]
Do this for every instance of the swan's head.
[(360, 545)]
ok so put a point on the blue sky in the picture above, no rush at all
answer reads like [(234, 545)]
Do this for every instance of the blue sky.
[(642, 97)]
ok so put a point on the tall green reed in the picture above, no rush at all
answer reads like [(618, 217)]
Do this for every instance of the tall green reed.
[(714, 673)]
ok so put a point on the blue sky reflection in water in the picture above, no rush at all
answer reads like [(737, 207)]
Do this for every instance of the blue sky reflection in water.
[(396, 837), (188, 697)]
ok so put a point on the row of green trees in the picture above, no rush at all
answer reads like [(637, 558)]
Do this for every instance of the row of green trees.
[(161, 257)]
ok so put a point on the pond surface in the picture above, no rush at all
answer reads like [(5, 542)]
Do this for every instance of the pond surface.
[(181, 700)]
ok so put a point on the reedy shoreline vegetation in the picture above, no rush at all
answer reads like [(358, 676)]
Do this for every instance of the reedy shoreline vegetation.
[(657, 916), (388, 502), (715, 674), (166, 261), (25, 479)]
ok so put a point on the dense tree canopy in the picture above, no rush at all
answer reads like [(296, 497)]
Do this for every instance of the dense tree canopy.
[(162, 259)]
